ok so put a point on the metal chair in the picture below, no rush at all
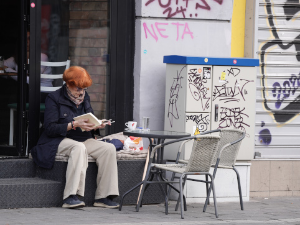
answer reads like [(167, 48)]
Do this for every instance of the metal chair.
[(203, 152), (53, 76), (225, 158)]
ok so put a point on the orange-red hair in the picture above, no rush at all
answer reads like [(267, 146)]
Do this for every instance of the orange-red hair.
[(77, 76)]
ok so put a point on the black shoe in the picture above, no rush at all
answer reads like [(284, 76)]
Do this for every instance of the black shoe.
[(73, 202), (106, 203)]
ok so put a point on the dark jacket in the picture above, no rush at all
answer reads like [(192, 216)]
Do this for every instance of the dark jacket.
[(59, 112)]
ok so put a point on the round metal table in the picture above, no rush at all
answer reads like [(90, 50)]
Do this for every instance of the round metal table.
[(158, 137)]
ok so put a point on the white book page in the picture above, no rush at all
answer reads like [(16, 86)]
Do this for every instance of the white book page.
[(90, 117)]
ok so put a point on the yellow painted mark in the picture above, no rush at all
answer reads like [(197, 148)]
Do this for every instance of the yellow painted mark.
[(238, 28), (197, 131), (223, 75)]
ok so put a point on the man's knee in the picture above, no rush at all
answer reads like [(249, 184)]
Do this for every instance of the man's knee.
[(111, 149), (79, 148)]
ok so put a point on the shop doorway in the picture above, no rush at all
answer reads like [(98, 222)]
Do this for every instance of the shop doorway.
[(76, 32), (97, 35), (14, 89)]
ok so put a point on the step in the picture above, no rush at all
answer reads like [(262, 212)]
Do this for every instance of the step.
[(14, 168), (130, 173), (30, 193)]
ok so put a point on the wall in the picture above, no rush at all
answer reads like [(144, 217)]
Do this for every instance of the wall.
[(278, 79), (165, 27), (270, 178), (88, 43)]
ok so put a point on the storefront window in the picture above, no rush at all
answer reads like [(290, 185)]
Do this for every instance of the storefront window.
[(9, 96), (77, 31)]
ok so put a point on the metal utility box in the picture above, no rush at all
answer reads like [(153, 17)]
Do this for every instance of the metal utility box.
[(204, 93)]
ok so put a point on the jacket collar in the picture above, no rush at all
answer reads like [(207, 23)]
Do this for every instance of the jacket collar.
[(64, 98)]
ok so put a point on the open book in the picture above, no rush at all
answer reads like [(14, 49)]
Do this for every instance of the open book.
[(92, 119)]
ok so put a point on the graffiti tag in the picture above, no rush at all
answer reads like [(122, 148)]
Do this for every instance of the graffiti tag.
[(234, 118), (287, 89), (161, 29), (197, 88), (174, 93), (279, 42), (202, 122), (231, 94), (182, 7)]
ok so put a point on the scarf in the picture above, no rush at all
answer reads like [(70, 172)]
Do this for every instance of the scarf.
[(76, 100)]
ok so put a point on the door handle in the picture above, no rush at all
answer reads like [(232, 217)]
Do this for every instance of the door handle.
[(216, 112)]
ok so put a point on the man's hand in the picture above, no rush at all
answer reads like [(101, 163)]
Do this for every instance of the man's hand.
[(84, 124), (102, 125)]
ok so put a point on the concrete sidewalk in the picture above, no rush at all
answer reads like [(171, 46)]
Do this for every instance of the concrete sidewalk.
[(283, 210)]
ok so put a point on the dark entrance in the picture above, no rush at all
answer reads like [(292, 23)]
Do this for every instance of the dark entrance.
[(14, 89), (97, 35)]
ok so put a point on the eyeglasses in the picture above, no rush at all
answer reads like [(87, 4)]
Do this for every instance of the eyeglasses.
[(80, 89)]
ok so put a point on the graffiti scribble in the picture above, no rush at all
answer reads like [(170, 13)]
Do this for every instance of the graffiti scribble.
[(281, 92), (234, 118), (197, 88), (234, 71), (182, 6), (201, 121), (231, 94), (287, 89), (174, 91)]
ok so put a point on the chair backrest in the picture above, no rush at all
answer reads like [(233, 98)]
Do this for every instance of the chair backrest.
[(53, 76), (204, 149), (229, 154)]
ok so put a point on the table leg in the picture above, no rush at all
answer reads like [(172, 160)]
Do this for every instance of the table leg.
[(126, 193), (11, 127)]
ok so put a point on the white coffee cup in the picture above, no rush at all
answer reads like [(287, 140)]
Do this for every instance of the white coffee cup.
[(131, 125)]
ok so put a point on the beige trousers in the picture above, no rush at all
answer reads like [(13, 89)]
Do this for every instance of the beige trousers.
[(105, 155)]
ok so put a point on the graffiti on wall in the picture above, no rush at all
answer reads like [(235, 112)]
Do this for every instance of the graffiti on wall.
[(232, 87), (280, 96), (173, 97), (229, 93), (162, 30), (234, 118), (183, 8), (201, 121), (198, 89)]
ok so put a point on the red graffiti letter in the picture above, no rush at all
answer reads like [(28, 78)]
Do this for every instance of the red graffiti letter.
[(219, 1), (177, 24), (187, 3), (187, 31), (150, 1), (207, 7), (164, 5), (147, 29), (160, 29)]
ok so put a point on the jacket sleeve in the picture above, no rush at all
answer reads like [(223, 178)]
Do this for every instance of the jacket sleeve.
[(51, 119)]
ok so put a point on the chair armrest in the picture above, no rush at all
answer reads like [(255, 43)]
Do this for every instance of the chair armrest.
[(186, 139), (209, 132), (244, 134), (232, 143), (168, 143)]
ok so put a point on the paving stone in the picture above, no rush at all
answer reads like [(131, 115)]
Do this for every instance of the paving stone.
[(283, 210)]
